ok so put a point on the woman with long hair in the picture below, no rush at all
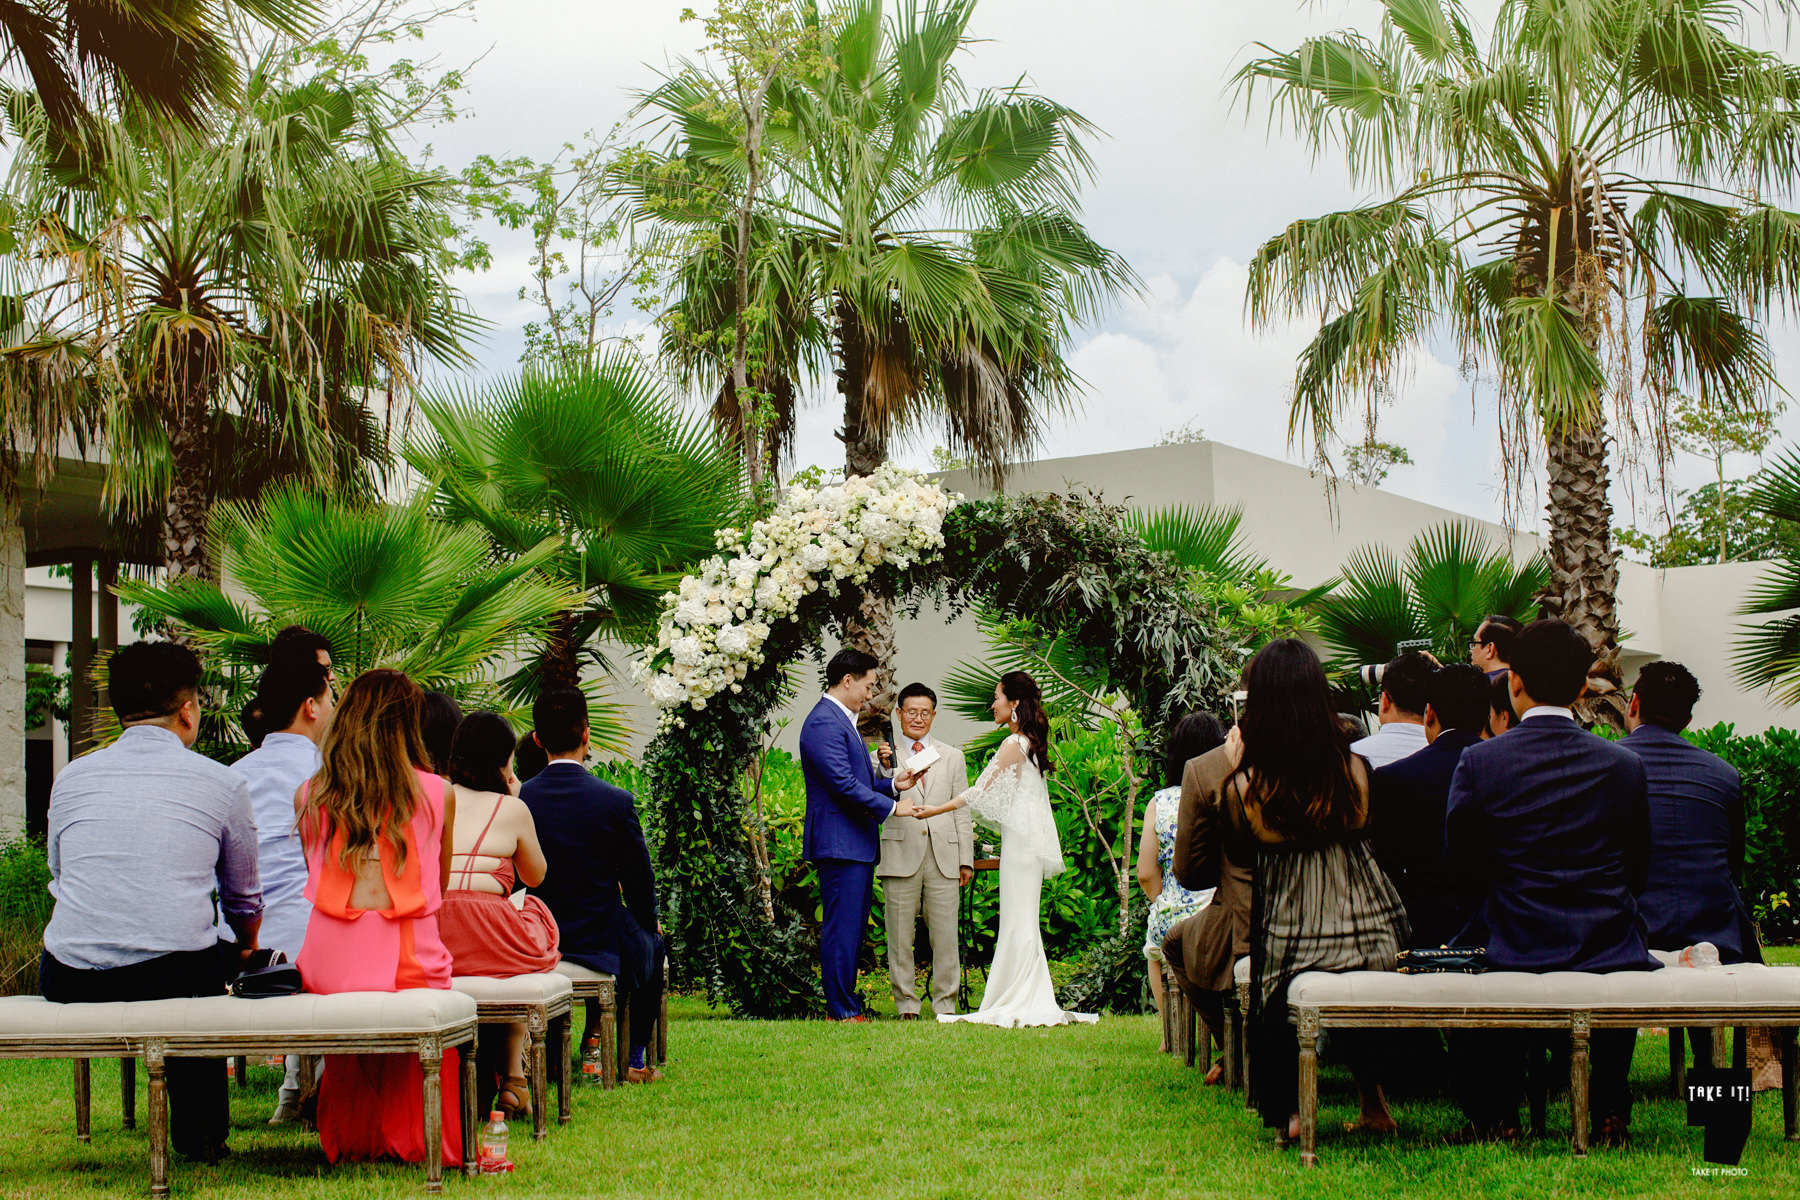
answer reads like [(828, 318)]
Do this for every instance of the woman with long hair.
[(1011, 796), (496, 847), (1294, 808), (375, 824)]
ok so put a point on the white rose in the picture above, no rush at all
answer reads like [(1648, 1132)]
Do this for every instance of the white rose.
[(733, 640)]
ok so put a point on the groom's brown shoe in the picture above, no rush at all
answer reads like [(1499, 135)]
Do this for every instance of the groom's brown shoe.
[(909, 1016)]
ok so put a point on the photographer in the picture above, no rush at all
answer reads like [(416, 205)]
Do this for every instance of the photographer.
[(1402, 713)]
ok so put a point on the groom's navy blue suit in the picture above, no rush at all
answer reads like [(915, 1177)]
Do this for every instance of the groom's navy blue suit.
[(845, 805)]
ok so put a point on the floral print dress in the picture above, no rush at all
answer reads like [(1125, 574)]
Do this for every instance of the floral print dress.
[(1174, 903)]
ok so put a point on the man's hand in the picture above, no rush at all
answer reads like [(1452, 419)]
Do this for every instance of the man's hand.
[(903, 809), (887, 754), (905, 779), (967, 875)]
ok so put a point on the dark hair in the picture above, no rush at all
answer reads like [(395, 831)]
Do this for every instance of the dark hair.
[(1551, 660), (915, 689), (147, 681), (1192, 736), (528, 758), (1501, 630), (848, 661), (1500, 694), (1666, 694), (1029, 717), (297, 643), (1459, 695), (561, 717), (1407, 680), (286, 684), (480, 751), (442, 716), (1296, 757)]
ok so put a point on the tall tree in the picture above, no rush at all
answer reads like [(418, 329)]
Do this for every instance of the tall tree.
[(1579, 201)]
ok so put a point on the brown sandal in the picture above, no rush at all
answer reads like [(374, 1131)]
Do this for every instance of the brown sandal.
[(514, 1097)]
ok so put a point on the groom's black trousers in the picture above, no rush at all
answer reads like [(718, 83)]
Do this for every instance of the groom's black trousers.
[(846, 893)]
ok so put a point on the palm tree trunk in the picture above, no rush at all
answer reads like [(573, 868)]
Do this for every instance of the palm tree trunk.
[(1584, 567), (187, 388), (871, 627), (561, 665)]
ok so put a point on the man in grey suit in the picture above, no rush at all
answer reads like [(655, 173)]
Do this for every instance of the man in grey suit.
[(923, 863)]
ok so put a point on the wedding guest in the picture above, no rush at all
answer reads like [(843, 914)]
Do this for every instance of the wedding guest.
[(924, 864), (1193, 735), (375, 824), (1550, 826), (598, 883), (1401, 712), (442, 716), (294, 701), (496, 846), (1293, 806), (1696, 823), (295, 644), (1491, 647), (1500, 712), (528, 759), (1407, 803), (142, 835)]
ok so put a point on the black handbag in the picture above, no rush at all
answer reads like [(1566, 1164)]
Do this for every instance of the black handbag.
[(273, 976), (1453, 960)]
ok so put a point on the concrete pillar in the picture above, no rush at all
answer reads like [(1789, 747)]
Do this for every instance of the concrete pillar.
[(109, 617), (12, 674), (81, 655)]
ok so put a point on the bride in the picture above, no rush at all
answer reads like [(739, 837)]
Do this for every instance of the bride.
[(1011, 796)]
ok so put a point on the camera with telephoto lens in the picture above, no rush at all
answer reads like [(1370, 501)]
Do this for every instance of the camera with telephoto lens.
[(1370, 673)]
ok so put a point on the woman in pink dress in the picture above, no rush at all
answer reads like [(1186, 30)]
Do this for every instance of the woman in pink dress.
[(375, 825)]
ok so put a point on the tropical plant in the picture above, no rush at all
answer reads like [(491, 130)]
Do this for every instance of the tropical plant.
[(1580, 202), (1767, 654), (601, 460), (1712, 516), (253, 279), (1449, 580), (390, 584)]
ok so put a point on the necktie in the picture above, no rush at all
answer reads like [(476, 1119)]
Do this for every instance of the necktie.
[(918, 746)]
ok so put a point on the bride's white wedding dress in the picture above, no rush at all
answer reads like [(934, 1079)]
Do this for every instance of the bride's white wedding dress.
[(1012, 797)]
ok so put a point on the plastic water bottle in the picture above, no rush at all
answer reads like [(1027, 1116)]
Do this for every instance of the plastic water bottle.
[(590, 1062), (1700, 954), (492, 1158)]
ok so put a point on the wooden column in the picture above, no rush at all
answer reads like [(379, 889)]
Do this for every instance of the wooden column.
[(81, 655), (109, 617)]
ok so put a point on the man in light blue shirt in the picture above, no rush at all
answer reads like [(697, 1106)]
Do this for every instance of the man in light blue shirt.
[(295, 698), (141, 835)]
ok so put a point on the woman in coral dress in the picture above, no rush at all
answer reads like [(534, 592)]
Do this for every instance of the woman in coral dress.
[(375, 825)]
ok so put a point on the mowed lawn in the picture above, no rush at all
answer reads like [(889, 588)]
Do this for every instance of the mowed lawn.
[(891, 1109)]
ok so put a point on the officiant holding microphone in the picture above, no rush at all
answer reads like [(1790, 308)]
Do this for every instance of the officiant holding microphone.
[(924, 863)]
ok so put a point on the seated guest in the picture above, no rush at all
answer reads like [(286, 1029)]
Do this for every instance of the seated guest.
[(1550, 826), (598, 882), (141, 835), (293, 704), (375, 824), (1696, 823), (1500, 712), (528, 759), (1192, 736), (1491, 647), (442, 716), (1407, 801), (294, 644), (496, 846), (1402, 711)]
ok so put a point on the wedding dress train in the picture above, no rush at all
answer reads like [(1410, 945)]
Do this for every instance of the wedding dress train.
[(1016, 800)]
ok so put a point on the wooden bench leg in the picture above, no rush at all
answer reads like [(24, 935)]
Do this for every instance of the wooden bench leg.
[(1309, 1086), (1244, 1044), (609, 1042), (431, 1066), (1234, 1045), (1579, 1025), (1195, 1037), (563, 1037), (1790, 1082), (241, 1066), (1168, 1010), (83, 1131), (128, 1092), (1677, 1062), (159, 1118), (1537, 1086), (471, 1119), (537, 1054), (662, 1023), (622, 1035)]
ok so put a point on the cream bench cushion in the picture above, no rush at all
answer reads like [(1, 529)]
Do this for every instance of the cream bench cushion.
[(546, 988), (580, 973), (416, 1011), (1668, 988)]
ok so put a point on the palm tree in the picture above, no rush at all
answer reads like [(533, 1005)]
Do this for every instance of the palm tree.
[(601, 460), (1768, 654), (1449, 581), (260, 275), (390, 584), (1578, 202)]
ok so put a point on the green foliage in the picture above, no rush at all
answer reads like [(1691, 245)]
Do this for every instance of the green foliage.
[(25, 905), (1767, 655), (1769, 766), (46, 695), (1708, 512), (1369, 461), (1113, 973)]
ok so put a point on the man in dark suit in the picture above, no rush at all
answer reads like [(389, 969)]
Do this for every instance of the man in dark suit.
[(1408, 799), (1696, 823), (598, 883), (846, 802), (1551, 827)]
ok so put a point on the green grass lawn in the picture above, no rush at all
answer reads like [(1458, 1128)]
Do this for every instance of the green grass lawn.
[(891, 1109)]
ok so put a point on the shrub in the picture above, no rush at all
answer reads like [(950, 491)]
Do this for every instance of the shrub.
[(25, 905), (1769, 764)]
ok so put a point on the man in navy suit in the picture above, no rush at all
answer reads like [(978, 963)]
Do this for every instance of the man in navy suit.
[(1408, 799), (1551, 826), (846, 802), (598, 883), (1696, 823)]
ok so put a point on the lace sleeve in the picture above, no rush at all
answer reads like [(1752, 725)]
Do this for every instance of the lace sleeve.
[(1010, 796)]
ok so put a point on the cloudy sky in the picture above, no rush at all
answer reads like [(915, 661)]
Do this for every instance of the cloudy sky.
[(1187, 186)]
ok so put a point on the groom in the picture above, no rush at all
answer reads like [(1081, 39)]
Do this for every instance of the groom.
[(846, 802)]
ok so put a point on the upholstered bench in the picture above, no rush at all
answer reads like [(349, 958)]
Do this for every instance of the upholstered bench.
[(537, 1002), (602, 989), (422, 1021), (1187, 1035), (1575, 1001)]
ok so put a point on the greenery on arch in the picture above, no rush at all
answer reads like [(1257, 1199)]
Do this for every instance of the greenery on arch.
[(1067, 562)]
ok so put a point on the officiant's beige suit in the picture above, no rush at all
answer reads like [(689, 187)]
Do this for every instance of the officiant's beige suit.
[(921, 867)]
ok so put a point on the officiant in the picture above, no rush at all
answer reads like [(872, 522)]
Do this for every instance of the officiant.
[(924, 863)]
